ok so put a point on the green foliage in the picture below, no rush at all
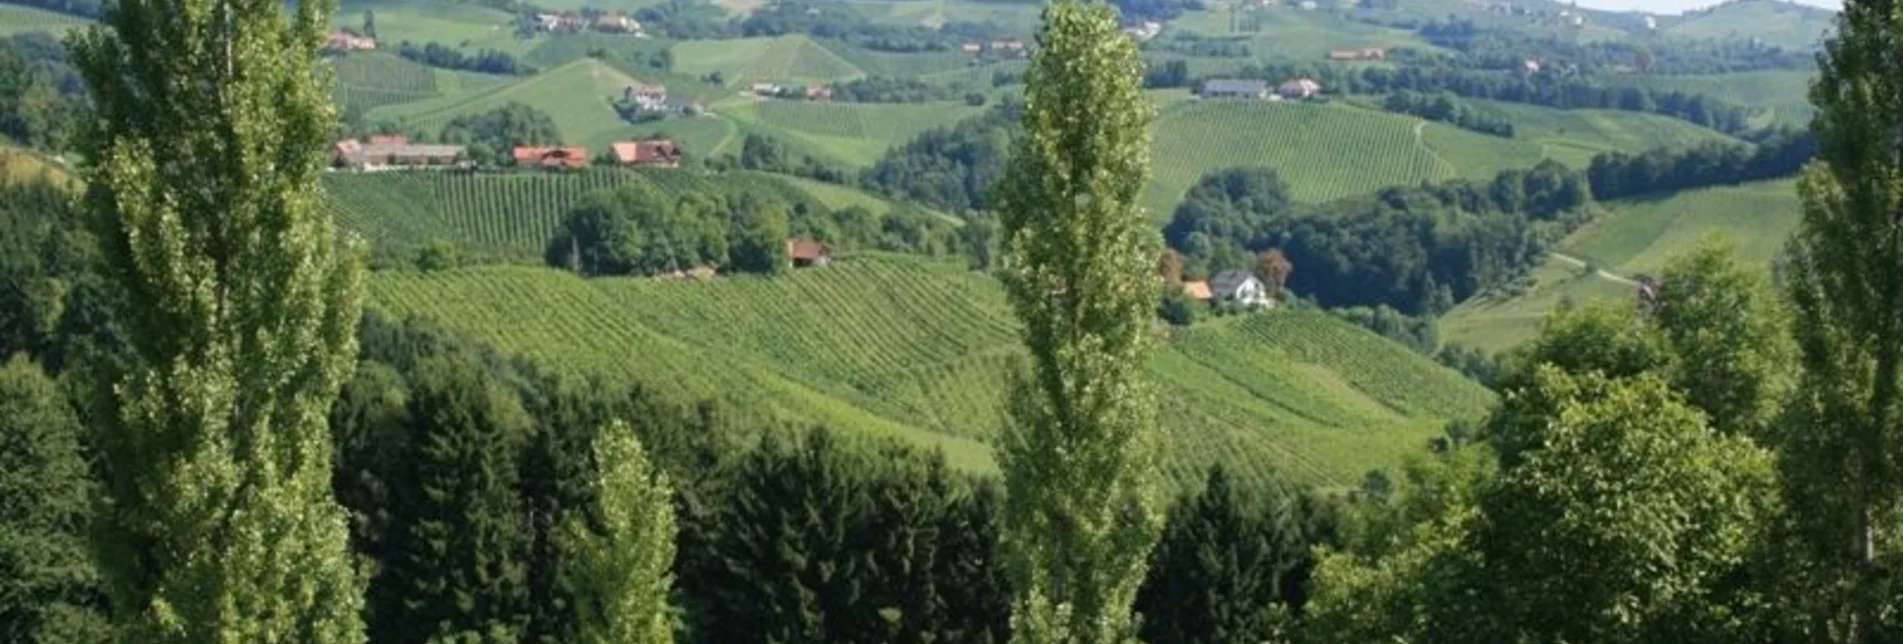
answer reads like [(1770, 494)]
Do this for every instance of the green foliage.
[(1177, 308), (1226, 557), (1731, 336), (621, 570), (54, 304), (241, 309), (636, 229), (761, 231), (50, 590), (1078, 454), (501, 129), (1840, 443)]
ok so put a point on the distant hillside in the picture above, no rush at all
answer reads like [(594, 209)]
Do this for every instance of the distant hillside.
[(21, 19), (576, 95), (1775, 22), (1633, 238), (1783, 94), (915, 349)]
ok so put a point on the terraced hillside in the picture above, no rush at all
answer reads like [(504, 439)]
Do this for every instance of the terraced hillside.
[(911, 348), (1633, 238), (502, 215)]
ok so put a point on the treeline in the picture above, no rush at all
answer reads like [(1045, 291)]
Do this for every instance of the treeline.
[(487, 61), (1419, 250), (1548, 90), (950, 168), (1447, 108), (491, 135), (1190, 43), (1779, 153), (42, 98), (891, 89)]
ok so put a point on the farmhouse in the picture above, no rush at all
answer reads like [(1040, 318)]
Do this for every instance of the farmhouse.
[(971, 48), (648, 97), (1366, 53), (805, 253), (1226, 88), (390, 152), (765, 89), (1009, 46), (618, 23), (342, 41), (1198, 290), (564, 21), (660, 153), (1299, 89), (1240, 287), (551, 157), (819, 93)]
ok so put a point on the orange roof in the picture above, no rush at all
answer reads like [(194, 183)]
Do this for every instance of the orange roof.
[(1197, 290), (657, 152), (805, 249), (392, 139), (551, 157)]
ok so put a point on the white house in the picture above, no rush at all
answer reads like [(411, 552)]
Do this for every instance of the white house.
[(1240, 287), (1299, 89)]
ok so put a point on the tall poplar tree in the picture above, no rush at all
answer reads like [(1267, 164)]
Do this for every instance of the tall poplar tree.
[(622, 570), (1842, 444), (204, 152), (1078, 454)]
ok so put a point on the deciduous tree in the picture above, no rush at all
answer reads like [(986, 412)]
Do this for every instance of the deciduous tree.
[(621, 569), (49, 587)]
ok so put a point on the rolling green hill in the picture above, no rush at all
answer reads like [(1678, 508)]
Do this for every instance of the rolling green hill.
[(1573, 137), (1783, 94), (576, 95), (786, 60), (906, 347), (1633, 238), (1784, 24), (464, 25), (16, 19), (850, 134)]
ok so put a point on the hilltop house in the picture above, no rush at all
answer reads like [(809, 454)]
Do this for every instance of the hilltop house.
[(1299, 89), (805, 253), (1227, 88), (1366, 53), (1241, 288), (342, 41), (394, 152), (1198, 291), (764, 90), (660, 153), (553, 158), (617, 23), (645, 96)]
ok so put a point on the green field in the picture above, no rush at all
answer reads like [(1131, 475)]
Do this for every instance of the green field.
[(1573, 137), (1784, 95), (507, 216), (1633, 238), (1783, 24), (1020, 18), (577, 96), (1324, 151), (1288, 34), (851, 134), (916, 349), (15, 19), (463, 25), (785, 60)]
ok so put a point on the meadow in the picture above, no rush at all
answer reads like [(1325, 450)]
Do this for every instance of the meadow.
[(785, 60), (576, 95), (850, 134), (1782, 24), (1783, 95), (1573, 137), (467, 26), (916, 349)]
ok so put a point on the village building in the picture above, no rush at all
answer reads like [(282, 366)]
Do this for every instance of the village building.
[(343, 41), (1144, 31), (647, 97), (1240, 287), (551, 157), (819, 93), (568, 21), (660, 153), (972, 48), (394, 152), (1231, 88), (1365, 53), (618, 23), (1198, 291), (806, 253), (1299, 89), (765, 89), (1532, 67), (1009, 47)]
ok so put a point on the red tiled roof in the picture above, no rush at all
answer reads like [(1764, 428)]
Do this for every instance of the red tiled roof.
[(658, 152), (1198, 290), (552, 157), (805, 249)]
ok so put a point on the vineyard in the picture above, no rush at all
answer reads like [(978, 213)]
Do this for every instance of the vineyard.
[(917, 349), (851, 134), (504, 215), (1640, 236), (1496, 322), (366, 81), (575, 95), (469, 26), (18, 19), (1574, 136), (794, 60)]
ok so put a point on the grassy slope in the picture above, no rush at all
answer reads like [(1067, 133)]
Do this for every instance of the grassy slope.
[(575, 95), (18, 164), (794, 59), (1784, 94), (1574, 136), (1783, 24), (20, 19), (851, 134), (1635, 237), (916, 349), (467, 26)]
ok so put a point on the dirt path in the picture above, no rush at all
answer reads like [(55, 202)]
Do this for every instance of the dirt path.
[(1603, 274)]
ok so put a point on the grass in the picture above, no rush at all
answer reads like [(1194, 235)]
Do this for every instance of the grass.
[(463, 25), (1639, 236), (916, 349), (1635, 237), (1783, 94), (851, 134), (794, 60), (1573, 137), (17, 19), (18, 164), (576, 95), (1783, 24), (1019, 18)]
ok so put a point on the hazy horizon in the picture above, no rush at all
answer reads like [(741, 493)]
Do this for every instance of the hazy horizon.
[(1679, 6)]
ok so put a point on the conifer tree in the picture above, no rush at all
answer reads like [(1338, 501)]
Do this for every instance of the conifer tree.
[(1223, 561), (1078, 454), (49, 588), (621, 572), (1844, 437), (204, 151)]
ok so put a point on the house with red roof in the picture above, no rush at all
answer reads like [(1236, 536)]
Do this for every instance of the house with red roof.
[(806, 253), (551, 157), (660, 153)]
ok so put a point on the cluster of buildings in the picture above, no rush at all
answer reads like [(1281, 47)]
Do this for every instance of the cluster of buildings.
[(1002, 48), (572, 22), (1362, 54), (654, 99), (809, 92), (1298, 89), (341, 41), (380, 153)]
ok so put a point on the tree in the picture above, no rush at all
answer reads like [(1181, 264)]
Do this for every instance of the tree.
[(621, 570), (49, 588), (761, 231), (1842, 461), (1730, 337), (1274, 268), (242, 306), (1078, 453), (370, 23)]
